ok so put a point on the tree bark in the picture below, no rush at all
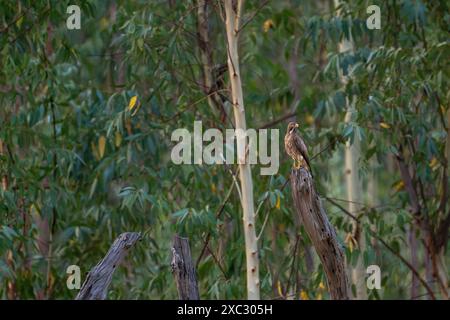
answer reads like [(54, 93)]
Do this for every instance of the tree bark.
[(233, 15), (95, 287), (205, 50), (322, 234), (183, 269)]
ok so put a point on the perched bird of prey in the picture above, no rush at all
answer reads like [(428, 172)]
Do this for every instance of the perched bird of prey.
[(296, 147)]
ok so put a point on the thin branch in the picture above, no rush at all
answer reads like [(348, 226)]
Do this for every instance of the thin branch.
[(322, 151), (413, 270), (342, 209), (217, 262), (14, 21), (278, 120), (345, 200), (191, 105), (218, 213), (43, 13), (297, 241), (54, 211), (253, 16), (264, 225)]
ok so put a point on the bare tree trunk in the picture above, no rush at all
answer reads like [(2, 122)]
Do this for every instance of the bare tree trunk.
[(233, 15), (354, 184), (355, 199), (212, 82), (95, 287), (183, 269), (205, 49), (323, 236)]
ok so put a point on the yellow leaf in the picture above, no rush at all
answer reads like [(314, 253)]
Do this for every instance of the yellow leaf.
[(117, 139), (384, 125), (101, 146), (132, 103), (303, 295), (34, 211), (434, 163), (280, 291), (349, 240), (268, 24), (213, 188), (104, 23), (19, 22), (309, 119), (277, 205), (399, 186), (321, 286), (319, 296)]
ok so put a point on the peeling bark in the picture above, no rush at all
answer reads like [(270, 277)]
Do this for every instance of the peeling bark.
[(322, 234), (183, 269), (95, 287)]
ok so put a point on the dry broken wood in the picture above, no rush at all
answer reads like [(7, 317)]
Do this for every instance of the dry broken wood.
[(183, 269), (312, 215), (95, 287)]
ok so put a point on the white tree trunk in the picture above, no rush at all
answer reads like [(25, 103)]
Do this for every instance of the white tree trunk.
[(354, 184), (233, 16), (354, 197)]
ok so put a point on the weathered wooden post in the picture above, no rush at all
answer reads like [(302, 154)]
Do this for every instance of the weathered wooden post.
[(310, 211), (183, 269), (95, 287)]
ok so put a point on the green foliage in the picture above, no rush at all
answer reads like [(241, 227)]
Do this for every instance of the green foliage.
[(83, 168)]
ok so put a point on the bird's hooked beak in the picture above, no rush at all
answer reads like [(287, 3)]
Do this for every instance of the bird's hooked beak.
[(296, 125)]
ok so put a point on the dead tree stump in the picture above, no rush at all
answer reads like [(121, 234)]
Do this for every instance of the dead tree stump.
[(95, 287), (183, 269), (312, 215)]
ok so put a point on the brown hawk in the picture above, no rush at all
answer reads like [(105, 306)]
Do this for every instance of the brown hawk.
[(296, 147)]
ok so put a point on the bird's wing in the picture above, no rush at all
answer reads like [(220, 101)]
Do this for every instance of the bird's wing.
[(301, 146)]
